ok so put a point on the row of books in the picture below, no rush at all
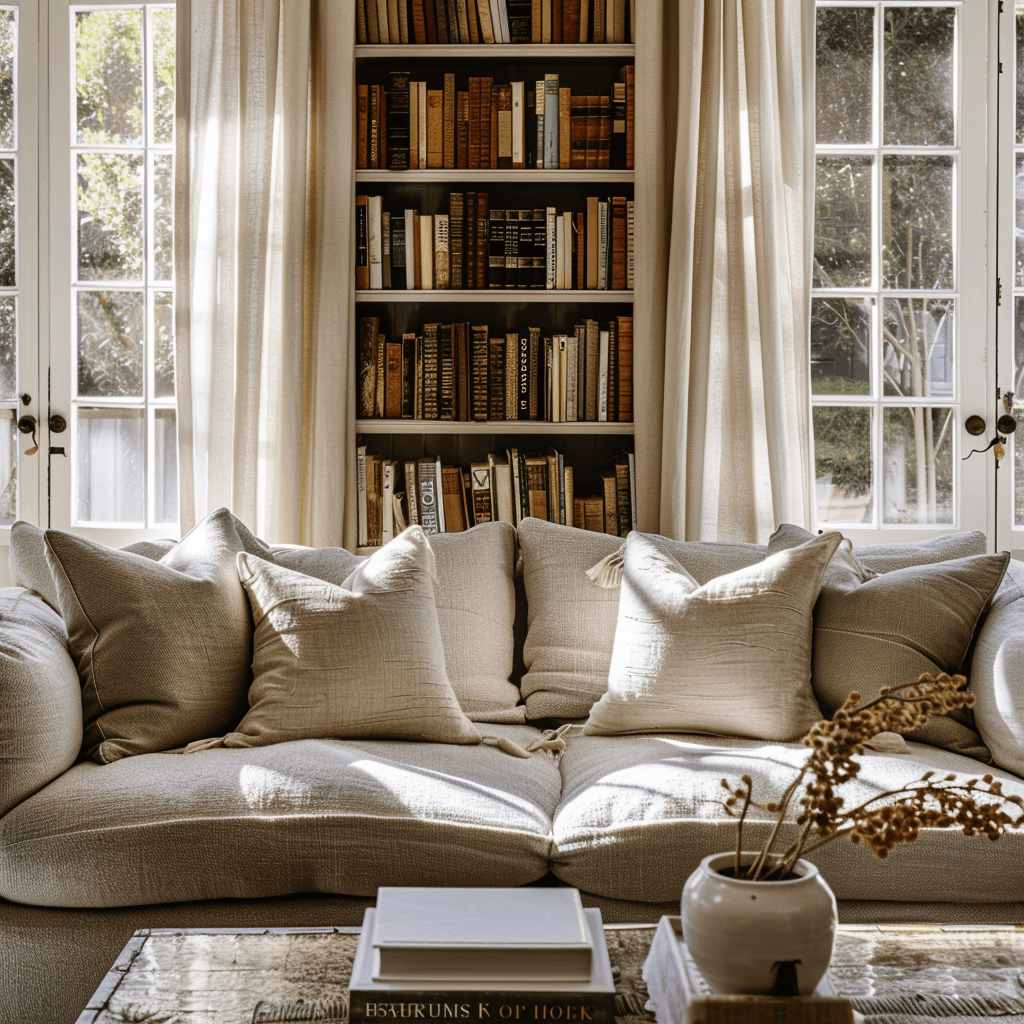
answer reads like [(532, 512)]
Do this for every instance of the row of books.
[(406, 125), (474, 246), (494, 21), (460, 372), (508, 487)]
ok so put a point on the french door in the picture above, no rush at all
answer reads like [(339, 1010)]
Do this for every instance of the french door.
[(904, 307)]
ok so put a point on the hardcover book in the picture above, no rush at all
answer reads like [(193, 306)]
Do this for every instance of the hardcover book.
[(398, 121)]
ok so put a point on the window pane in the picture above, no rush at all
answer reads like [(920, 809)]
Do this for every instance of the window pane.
[(842, 222), (108, 66), (111, 465), (8, 220), (110, 216), (8, 50), (917, 221), (1019, 206), (917, 465), (165, 469), (1019, 12), (163, 333), (845, 43), (110, 333), (8, 348), (8, 466), (1018, 469), (918, 69), (840, 346), (162, 27), (163, 218), (917, 358), (842, 463)]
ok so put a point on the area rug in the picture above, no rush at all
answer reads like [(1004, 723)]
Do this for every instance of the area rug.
[(891, 974)]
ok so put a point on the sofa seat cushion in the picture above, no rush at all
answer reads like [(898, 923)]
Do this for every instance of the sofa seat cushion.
[(305, 816), (638, 813)]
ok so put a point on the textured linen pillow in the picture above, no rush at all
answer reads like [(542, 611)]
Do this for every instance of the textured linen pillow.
[(889, 629), (359, 661), (731, 658), (571, 620), (162, 647)]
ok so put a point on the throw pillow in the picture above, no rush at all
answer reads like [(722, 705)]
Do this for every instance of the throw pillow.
[(731, 657), (162, 647), (363, 660), (571, 620), (889, 629)]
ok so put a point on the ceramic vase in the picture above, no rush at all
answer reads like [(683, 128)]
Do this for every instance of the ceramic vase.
[(743, 934)]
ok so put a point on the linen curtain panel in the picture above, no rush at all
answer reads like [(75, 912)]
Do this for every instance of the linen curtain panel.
[(263, 242), (725, 175)]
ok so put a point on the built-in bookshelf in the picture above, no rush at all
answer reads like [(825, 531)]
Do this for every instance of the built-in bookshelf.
[(584, 437)]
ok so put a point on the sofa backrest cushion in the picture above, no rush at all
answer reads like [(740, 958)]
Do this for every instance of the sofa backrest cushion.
[(889, 557), (163, 648), (40, 697), (363, 660), (732, 657), (571, 620), (997, 673)]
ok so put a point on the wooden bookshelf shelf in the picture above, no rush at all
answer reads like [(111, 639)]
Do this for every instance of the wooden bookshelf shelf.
[(490, 297), (503, 52), (501, 427), (525, 176)]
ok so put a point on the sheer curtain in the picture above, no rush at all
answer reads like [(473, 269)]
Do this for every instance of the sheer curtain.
[(725, 179), (263, 242)]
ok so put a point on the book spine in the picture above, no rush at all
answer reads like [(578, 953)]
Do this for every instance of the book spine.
[(454, 29), (604, 133), (618, 142), (456, 233), (632, 490), (378, 155), (600, 21), (385, 249), (462, 371), (578, 132), (362, 531), (536, 22), (470, 274), (373, 243), (448, 121), (419, 21), (426, 485), (362, 244), (426, 263), (613, 371), (481, 239), (421, 124), (536, 371), (442, 271), (412, 254), (538, 272), (408, 375), (383, 25), (367, 396), (496, 379), (387, 531), (398, 251), (556, 21), (610, 502), (511, 375), (593, 131), (362, 127), (630, 232), (494, 125), (571, 20), (462, 13), (593, 239), (504, 126), (580, 249), (496, 273), (486, 22), (403, 21), (411, 494), (431, 368), (618, 267), (523, 406), (593, 361), (564, 127), (518, 126), (372, 30), (551, 250), (602, 245), (571, 377), (630, 73), (551, 133), (462, 128), (486, 89), (480, 484), (539, 117), (435, 128), (625, 369), (441, 14), (512, 228), (602, 377), (474, 122), (520, 20), (479, 372), (393, 380), (398, 121), (417, 385), (472, 16), (537, 487), (622, 497), (361, 21), (378, 393), (451, 496), (446, 373)]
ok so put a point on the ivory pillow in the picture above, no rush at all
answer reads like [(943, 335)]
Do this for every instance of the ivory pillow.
[(162, 647), (363, 660), (731, 658)]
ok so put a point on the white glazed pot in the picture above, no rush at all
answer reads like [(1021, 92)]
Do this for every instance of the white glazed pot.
[(737, 931)]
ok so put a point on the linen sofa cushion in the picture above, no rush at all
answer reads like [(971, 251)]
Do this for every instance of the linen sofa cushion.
[(888, 557), (162, 648), (638, 813), (362, 661), (887, 630), (340, 816), (571, 620), (732, 657), (40, 697), (997, 673)]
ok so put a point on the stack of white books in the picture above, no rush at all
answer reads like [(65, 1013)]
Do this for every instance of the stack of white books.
[(524, 954)]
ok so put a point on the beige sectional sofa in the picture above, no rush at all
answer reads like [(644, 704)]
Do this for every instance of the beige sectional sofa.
[(302, 832)]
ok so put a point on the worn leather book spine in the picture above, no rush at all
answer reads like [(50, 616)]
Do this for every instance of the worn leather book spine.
[(580, 249), (441, 14), (393, 380), (383, 28), (504, 126), (462, 128), (604, 132), (618, 140), (511, 248), (536, 19), (435, 128), (564, 127), (542, 243), (408, 375), (618, 226), (378, 398), (474, 122), (593, 239), (538, 108), (622, 495), (494, 126), (430, 15), (419, 22), (448, 123), (512, 375), (446, 373), (470, 275), (373, 146), (591, 351), (571, 20), (398, 270), (478, 372), (538, 502), (460, 346), (496, 268), (456, 238), (523, 406), (414, 125), (361, 36), (369, 327), (557, 21), (630, 73), (481, 239), (362, 127), (610, 502), (480, 484), (454, 30), (411, 493), (426, 262), (600, 21), (613, 371), (551, 134), (431, 371), (520, 20), (486, 22), (398, 121), (430, 519), (518, 126), (442, 252), (362, 244), (374, 254), (486, 88), (394, 28), (536, 373), (472, 19), (630, 236), (403, 21), (462, 14), (372, 30), (593, 131), (624, 395), (496, 378), (451, 486), (385, 249)]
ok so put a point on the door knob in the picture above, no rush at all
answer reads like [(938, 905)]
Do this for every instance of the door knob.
[(975, 425), (1006, 424), (58, 424)]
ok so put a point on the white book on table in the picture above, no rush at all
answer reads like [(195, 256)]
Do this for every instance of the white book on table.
[(486, 933)]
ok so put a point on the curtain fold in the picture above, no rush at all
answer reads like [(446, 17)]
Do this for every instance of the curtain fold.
[(264, 191), (725, 184)]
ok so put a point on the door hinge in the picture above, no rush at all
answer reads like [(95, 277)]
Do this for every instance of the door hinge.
[(1000, 11), (999, 292)]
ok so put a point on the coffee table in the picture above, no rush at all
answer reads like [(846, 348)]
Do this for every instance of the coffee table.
[(896, 974)]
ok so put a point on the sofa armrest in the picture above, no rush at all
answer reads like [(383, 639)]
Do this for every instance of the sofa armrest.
[(40, 697), (997, 673)]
